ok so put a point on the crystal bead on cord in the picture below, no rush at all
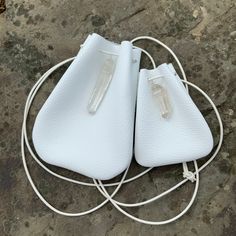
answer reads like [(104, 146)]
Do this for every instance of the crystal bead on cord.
[(160, 94), (103, 81)]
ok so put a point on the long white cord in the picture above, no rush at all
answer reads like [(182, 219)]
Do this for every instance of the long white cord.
[(101, 187), (117, 204)]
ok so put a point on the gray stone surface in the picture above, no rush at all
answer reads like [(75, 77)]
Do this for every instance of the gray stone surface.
[(34, 35)]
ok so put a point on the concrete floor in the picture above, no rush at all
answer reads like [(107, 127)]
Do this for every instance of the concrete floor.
[(34, 35)]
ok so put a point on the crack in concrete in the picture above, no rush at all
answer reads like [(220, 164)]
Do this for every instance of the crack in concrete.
[(131, 15)]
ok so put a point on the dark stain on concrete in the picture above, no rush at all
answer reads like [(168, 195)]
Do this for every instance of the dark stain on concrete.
[(2, 6), (205, 217), (224, 166), (22, 11), (234, 190), (231, 229), (39, 18), (31, 7), (17, 23), (64, 23), (7, 181), (193, 230), (50, 47), (30, 21), (97, 20), (46, 3), (53, 20), (27, 224), (21, 56), (34, 20)]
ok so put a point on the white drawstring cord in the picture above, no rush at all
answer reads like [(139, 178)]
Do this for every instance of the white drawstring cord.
[(186, 173), (101, 187), (117, 204)]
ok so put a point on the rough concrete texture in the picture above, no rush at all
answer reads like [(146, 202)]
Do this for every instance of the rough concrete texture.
[(34, 35)]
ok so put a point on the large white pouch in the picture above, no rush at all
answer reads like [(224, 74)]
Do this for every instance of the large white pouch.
[(169, 127), (86, 124)]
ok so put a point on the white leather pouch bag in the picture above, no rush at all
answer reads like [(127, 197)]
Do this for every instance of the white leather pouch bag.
[(86, 124), (169, 126)]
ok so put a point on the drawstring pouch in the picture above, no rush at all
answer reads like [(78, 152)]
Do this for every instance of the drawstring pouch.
[(86, 124), (170, 128)]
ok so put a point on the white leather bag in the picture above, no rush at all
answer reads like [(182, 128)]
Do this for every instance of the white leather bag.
[(86, 124), (169, 126)]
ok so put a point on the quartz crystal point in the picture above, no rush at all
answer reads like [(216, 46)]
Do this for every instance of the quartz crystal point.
[(160, 94), (103, 81)]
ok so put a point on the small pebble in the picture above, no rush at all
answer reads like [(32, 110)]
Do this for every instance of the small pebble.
[(233, 34), (195, 13)]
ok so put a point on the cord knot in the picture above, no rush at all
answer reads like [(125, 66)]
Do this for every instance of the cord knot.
[(189, 175)]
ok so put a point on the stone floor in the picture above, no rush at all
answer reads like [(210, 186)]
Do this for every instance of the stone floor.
[(34, 35)]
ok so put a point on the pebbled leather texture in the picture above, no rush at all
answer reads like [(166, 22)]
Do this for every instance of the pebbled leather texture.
[(97, 145), (183, 137)]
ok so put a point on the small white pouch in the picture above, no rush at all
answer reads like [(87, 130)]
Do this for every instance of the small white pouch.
[(86, 124), (169, 127)]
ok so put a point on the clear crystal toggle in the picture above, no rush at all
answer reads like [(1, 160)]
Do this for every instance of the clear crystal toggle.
[(160, 94), (103, 81)]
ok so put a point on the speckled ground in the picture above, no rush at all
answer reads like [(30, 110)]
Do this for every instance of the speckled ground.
[(34, 35)]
